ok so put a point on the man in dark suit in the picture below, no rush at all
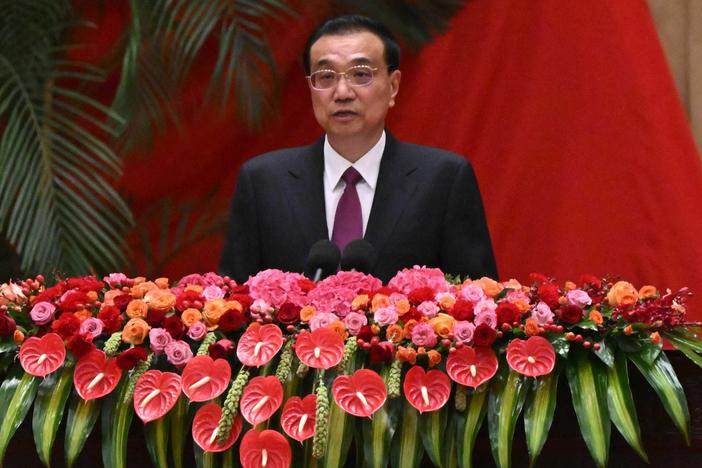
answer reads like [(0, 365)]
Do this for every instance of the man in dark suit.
[(416, 205)]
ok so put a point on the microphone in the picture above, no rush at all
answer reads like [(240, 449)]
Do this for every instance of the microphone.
[(323, 260), (359, 255)]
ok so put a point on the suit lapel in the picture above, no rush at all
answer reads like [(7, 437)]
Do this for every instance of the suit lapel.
[(393, 191), (305, 192)]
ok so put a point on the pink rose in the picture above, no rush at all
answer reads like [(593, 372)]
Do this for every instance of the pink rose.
[(488, 318), (322, 320), (354, 321), (423, 335), (463, 331), (213, 292), (484, 306), (42, 312), (542, 314), (159, 338), (417, 277), (91, 327), (472, 293), (385, 316), (178, 353), (579, 298), (197, 331), (428, 308), (115, 279)]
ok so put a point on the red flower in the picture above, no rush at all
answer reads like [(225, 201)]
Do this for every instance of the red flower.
[(155, 317), (548, 292), (538, 278), (592, 281), (419, 295), (127, 360), (240, 289), (462, 310), (412, 314), (570, 314), (85, 284), (51, 293), (231, 320), (306, 285), (289, 314), (111, 319), (382, 352), (244, 299), (507, 313), (365, 333), (484, 335), (188, 299), (175, 326), (221, 349), (74, 300), (122, 301), (80, 345), (7, 325), (66, 326)]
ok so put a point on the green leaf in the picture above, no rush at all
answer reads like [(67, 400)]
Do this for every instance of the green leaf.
[(661, 376), (156, 433), (180, 430), (587, 379), (586, 325), (17, 393), (82, 416), (685, 337), (508, 391), (689, 352), (377, 433), (468, 425), (48, 410), (538, 412), (605, 353), (649, 352), (116, 419), (433, 431), (204, 459), (407, 448), (621, 405), (561, 346)]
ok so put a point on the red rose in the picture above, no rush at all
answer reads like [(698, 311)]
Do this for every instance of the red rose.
[(66, 326), (570, 314), (7, 325), (221, 349), (484, 335), (507, 313), (231, 320), (289, 314), (306, 285), (80, 345), (462, 310), (419, 295), (85, 284), (127, 360), (122, 301), (382, 352), (591, 280), (155, 317), (412, 314), (240, 289), (188, 299), (537, 278), (244, 299), (49, 294), (365, 333), (111, 319), (175, 326), (548, 292), (74, 300)]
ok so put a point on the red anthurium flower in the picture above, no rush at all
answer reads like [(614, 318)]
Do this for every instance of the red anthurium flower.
[(155, 394), (426, 391), (321, 349), (41, 356), (265, 449), (96, 375), (205, 378), (261, 398), (205, 428), (360, 394), (258, 345), (471, 366), (299, 416), (532, 357)]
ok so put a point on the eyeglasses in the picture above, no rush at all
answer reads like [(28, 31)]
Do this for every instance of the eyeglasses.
[(357, 76)]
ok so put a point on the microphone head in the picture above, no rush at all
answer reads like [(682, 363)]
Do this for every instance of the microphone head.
[(324, 255), (359, 255)]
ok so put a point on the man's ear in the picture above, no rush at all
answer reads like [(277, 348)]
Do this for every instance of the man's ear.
[(394, 85)]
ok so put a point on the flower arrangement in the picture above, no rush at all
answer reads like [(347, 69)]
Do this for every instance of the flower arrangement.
[(289, 363)]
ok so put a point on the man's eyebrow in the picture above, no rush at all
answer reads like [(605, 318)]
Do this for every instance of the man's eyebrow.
[(357, 61)]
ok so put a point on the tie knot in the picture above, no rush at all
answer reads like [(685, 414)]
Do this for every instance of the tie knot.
[(351, 176)]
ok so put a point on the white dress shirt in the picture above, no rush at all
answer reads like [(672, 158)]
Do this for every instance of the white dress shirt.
[(335, 165)]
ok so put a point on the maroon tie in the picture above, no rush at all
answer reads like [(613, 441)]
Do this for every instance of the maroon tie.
[(348, 222)]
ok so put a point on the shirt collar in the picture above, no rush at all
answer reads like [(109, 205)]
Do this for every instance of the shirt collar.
[(367, 165)]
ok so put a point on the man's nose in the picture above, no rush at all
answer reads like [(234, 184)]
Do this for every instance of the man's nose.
[(343, 90)]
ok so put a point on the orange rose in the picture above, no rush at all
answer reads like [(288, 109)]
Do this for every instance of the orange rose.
[(628, 330), (160, 299), (569, 286), (394, 333), (442, 324), (135, 331), (402, 307), (339, 327), (359, 302), (648, 292), (213, 310), (522, 305), (434, 358), (531, 327), (83, 314), (18, 336), (513, 284), (110, 295), (622, 293), (407, 331), (307, 312), (379, 301), (655, 337), (194, 287), (446, 301), (235, 305), (137, 309), (140, 289), (406, 355), (490, 287), (92, 295), (139, 280), (162, 283), (596, 317), (190, 316)]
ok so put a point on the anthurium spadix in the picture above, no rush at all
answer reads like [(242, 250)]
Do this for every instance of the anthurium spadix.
[(259, 344), (205, 378), (426, 391), (360, 394), (532, 357), (320, 349), (471, 366)]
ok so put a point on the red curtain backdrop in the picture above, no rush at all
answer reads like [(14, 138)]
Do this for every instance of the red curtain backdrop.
[(566, 109)]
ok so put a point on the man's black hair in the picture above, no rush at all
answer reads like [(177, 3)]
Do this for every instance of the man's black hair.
[(348, 24)]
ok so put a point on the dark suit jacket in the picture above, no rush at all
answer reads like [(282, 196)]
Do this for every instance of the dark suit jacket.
[(426, 210)]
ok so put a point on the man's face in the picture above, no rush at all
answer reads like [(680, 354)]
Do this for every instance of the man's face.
[(345, 112)]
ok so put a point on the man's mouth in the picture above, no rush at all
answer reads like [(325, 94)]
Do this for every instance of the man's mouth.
[(344, 113)]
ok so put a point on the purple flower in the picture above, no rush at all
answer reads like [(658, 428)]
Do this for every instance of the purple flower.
[(91, 327), (354, 321), (159, 338), (423, 335), (42, 312), (542, 314), (197, 331), (385, 316), (463, 331), (178, 353)]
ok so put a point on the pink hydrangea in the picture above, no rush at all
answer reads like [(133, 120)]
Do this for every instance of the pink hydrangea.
[(208, 279), (463, 331), (428, 308), (354, 321), (178, 353), (115, 279), (42, 312), (419, 277), (91, 327), (277, 287), (335, 293), (322, 320), (159, 338), (423, 335), (542, 313), (385, 316)]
